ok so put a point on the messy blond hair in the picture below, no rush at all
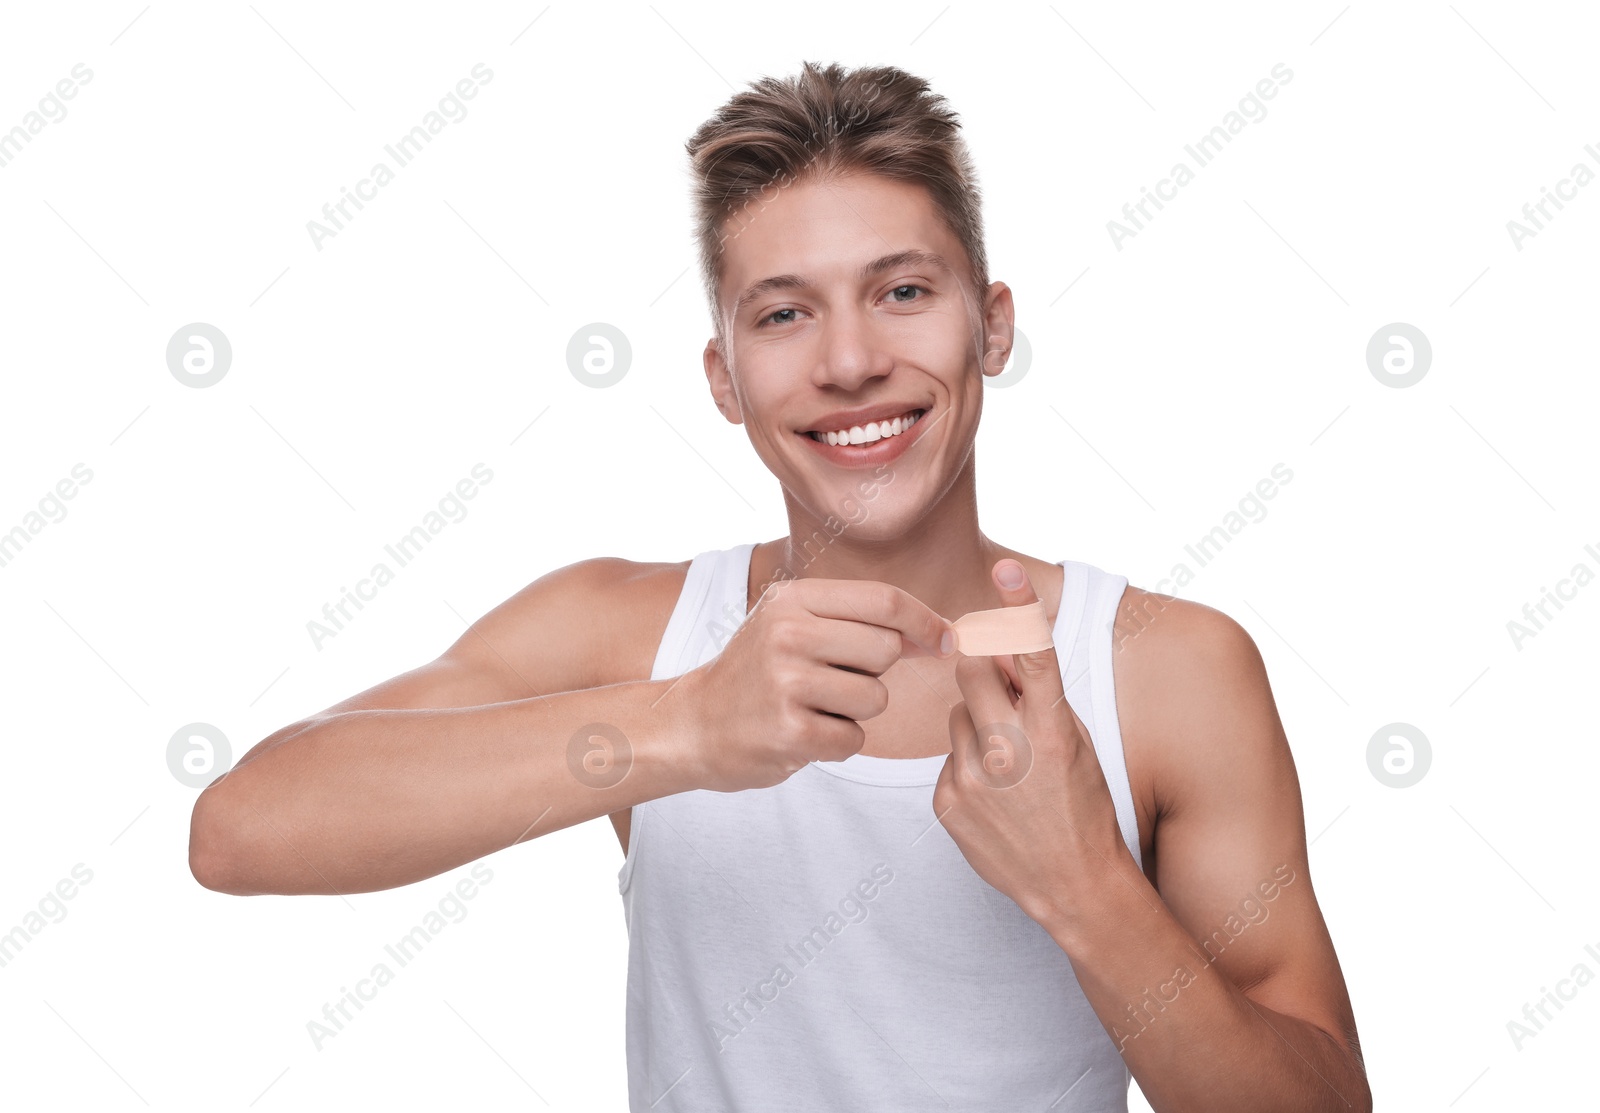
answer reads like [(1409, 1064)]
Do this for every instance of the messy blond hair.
[(820, 123)]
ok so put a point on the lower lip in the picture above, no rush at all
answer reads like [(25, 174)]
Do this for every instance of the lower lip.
[(881, 451)]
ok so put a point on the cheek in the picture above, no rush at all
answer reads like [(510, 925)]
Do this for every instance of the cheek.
[(935, 339), (752, 388)]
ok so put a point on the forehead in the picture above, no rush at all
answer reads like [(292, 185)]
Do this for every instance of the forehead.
[(827, 228)]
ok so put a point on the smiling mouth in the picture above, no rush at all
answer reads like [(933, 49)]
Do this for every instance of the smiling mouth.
[(872, 431)]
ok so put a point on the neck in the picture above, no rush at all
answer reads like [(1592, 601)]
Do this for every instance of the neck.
[(944, 559)]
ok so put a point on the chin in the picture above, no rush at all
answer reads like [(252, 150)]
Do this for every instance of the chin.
[(877, 515)]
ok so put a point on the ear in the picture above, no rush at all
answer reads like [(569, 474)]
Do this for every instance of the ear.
[(999, 328), (721, 383)]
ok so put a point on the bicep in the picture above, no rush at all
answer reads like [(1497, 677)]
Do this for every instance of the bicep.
[(502, 656), (1231, 858), (555, 635)]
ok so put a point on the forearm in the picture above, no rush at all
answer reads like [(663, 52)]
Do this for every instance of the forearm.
[(365, 800), (1191, 1037)]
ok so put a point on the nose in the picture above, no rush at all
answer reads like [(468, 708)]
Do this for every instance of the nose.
[(853, 351)]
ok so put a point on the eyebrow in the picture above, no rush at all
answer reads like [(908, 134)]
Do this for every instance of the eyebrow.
[(911, 257)]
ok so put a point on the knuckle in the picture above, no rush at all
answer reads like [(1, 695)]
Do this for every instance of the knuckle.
[(784, 685), (791, 721), (784, 632), (1033, 665), (885, 653), (786, 690), (883, 596)]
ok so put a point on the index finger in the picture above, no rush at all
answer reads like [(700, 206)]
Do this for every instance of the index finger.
[(921, 629)]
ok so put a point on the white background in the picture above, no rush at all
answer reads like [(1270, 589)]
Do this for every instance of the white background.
[(368, 377)]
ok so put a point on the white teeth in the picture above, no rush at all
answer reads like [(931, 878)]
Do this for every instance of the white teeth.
[(867, 434)]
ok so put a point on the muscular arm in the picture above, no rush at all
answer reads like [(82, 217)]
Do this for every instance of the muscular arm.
[(1219, 984), (461, 757)]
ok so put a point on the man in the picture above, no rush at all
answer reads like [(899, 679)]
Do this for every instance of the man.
[(862, 870)]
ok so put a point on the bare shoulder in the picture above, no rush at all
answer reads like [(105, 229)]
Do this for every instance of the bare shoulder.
[(1188, 678), (1166, 640), (591, 623)]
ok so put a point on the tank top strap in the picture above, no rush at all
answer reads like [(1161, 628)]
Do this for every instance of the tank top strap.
[(710, 607), (1094, 653)]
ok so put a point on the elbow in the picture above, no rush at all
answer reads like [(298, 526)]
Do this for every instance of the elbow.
[(1359, 1100), (215, 858), (1363, 1098)]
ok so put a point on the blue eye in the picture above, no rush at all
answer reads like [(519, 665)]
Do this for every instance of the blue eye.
[(770, 317)]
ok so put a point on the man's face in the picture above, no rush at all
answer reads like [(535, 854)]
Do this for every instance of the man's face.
[(838, 316)]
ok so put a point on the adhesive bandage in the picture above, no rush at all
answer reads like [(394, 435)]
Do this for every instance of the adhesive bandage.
[(1003, 630)]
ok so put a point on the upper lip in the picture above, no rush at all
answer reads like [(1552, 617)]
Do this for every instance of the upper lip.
[(861, 415)]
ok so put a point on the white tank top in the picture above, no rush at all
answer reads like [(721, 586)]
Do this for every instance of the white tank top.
[(823, 945)]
